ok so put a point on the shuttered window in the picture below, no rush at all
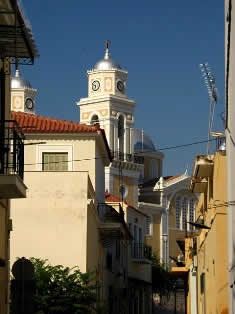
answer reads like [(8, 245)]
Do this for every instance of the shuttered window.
[(178, 212), (148, 225), (55, 162)]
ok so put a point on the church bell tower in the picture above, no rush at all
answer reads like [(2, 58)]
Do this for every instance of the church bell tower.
[(108, 104)]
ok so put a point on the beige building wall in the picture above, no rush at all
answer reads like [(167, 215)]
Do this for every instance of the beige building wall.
[(53, 221), (84, 152), (130, 183)]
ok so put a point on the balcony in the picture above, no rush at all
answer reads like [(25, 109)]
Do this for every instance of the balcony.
[(111, 220), (141, 253), (119, 156), (11, 161)]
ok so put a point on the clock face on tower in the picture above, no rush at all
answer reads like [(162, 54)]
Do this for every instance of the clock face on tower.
[(29, 103), (95, 85), (120, 86)]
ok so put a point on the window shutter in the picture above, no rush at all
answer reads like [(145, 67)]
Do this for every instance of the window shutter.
[(148, 225)]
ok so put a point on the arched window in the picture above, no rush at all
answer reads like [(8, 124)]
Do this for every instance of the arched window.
[(184, 213), (121, 137), (191, 213), (94, 119), (178, 211)]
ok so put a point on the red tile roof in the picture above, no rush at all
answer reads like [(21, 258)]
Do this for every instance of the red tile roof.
[(110, 198), (31, 123)]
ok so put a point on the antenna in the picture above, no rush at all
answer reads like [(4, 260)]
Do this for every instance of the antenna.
[(213, 95)]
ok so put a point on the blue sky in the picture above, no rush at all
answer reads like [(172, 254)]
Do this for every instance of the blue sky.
[(160, 43)]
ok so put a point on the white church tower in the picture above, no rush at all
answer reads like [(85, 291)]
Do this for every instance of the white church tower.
[(108, 104)]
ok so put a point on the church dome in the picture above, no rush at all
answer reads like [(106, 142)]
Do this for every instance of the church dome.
[(18, 81), (107, 63), (142, 142)]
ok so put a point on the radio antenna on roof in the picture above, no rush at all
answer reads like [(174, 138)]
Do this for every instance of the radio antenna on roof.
[(213, 95)]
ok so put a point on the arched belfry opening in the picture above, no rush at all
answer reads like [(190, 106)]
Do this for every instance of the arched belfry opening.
[(121, 137), (95, 119)]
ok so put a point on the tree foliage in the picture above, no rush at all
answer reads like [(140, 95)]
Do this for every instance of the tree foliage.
[(63, 290), (162, 282)]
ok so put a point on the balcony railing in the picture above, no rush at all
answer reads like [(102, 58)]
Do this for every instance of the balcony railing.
[(141, 251), (11, 148), (111, 212), (127, 157)]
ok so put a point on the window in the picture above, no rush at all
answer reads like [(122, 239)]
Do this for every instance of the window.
[(178, 212), (184, 213), (191, 213), (148, 225), (54, 161)]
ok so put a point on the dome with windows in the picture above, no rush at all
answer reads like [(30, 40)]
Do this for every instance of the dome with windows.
[(18, 81), (142, 141), (107, 63)]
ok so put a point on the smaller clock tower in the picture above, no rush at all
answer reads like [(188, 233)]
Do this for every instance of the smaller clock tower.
[(22, 94)]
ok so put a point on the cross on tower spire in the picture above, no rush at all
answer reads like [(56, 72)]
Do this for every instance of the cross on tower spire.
[(107, 46)]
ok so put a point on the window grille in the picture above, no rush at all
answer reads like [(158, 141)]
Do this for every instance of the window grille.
[(184, 213), (178, 211), (191, 213), (148, 225)]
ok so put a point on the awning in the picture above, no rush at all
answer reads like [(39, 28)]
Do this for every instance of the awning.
[(16, 37)]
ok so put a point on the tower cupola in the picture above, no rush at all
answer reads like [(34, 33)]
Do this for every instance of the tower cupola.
[(22, 94), (107, 63)]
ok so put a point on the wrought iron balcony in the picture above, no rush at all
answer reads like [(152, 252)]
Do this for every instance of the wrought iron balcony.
[(11, 148), (11, 160), (120, 156), (140, 251)]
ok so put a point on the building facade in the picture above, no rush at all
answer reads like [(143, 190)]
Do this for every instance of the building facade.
[(170, 207), (14, 28), (209, 251)]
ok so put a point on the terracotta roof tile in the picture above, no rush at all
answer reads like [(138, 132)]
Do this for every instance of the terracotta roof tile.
[(31, 123)]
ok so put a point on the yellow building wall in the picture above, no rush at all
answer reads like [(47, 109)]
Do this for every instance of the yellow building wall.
[(51, 223), (212, 244)]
